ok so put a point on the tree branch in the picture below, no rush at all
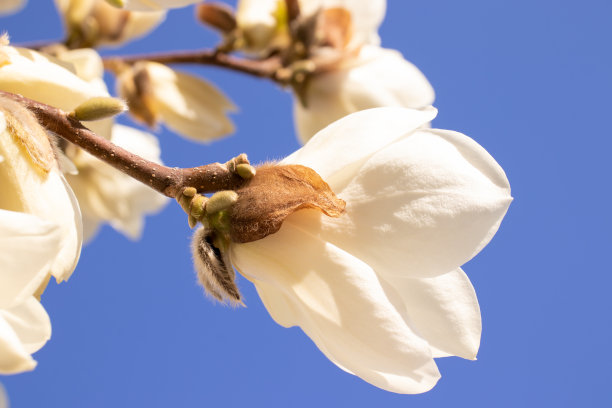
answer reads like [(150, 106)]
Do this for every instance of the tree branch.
[(265, 68), (166, 180)]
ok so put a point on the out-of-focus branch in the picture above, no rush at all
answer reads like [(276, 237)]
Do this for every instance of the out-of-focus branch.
[(265, 68), (166, 180)]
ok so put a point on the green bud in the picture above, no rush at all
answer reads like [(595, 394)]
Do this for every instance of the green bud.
[(221, 200), (246, 171), (198, 204), (98, 108)]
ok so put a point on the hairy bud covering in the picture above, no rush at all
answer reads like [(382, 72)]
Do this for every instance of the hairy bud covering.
[(273, 194)]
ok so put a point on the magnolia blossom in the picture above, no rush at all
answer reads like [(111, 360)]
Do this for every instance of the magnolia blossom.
[(151, 5), (187, 104), (40, 235), (108, 195), (95, 22), (380, 289), (263, 22), (47, 80), (376, 77)]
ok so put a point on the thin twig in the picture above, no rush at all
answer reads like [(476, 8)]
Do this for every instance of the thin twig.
[(265, 68), (166, 180)]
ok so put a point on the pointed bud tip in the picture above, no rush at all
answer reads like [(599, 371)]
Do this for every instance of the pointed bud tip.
[(98, 108)]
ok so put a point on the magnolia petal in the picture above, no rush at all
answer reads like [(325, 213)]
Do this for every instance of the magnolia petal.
[(431, 201), (46, 195), (152, 5), (258, 23), (30, 322), (29, 244), (339, 302), (378, 77), (13, 356), (48, 80), (345, 144), (444, 311)]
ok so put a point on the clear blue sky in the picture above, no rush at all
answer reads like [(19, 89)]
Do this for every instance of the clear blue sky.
[(531, 81)]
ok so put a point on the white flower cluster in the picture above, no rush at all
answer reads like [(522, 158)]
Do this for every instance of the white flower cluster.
[(380, 289)]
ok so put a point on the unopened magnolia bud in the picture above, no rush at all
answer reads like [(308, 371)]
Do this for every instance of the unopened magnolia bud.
[(220, 201), (246, 171), (213, 267), (218, 16), (97, 108)]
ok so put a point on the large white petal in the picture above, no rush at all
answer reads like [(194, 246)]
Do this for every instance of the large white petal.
[(444, 310), (345, 144), (339, 302), (13, 356), (429, 202), (30, 322), (29, 245)]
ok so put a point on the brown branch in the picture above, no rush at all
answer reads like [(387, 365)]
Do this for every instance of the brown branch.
[(166, 180), (265, 68)]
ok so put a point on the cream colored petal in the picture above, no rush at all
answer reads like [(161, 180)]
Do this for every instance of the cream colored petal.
[(189, 105), (4, 400), (377, 78), (430, 201), (45, 195), (344, 145), (13, 356), (338, 301), (44, 79), (141, 23), (30, 322), (152, 5), (29, 245), (86, 62), (11, 6), (444, 310), (106, 194)]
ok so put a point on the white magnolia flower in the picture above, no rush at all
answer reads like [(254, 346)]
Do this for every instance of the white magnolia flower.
[(95, 22), (40, 234), (185, 103), (263, 22), (151, 5), (108, 195), (11, 6), (380, 289), (377, 77)]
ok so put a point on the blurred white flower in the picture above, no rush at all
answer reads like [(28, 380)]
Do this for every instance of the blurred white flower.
[(376, 77), (151, 5), (11, 6), (90, 23), (40, 234), (263, 23), (108, 195), (48, 80), (185, 103), (379, 289)]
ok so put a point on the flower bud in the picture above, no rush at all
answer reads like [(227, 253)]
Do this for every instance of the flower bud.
[(98, 108), (218, 16)]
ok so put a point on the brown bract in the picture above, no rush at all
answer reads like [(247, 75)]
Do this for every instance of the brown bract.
[(276, 192)]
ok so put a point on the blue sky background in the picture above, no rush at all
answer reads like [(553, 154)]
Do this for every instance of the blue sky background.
[(531, 81)]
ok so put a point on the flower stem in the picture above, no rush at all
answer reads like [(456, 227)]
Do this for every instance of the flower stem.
[(166, 180), (265, 68)]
